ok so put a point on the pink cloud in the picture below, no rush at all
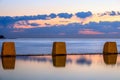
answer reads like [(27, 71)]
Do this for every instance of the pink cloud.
[(22, 25), (89, 31)]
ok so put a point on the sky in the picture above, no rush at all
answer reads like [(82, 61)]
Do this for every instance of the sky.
[(34, 7), (60, 18)]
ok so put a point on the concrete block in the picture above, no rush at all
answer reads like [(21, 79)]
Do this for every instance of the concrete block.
[(59, 61), (8, 49), (8, 62), (59, 48), (110, 59), (110, 47)]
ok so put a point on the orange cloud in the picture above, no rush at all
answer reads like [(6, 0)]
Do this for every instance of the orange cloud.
[(22, 26), (56, 21), (97, 18), (89, 31)]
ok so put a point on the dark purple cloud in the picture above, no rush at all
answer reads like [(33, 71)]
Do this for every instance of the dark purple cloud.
[(52, 15), (84, 14), (84, 61), (118, 13), (34, 24), (65, 15), (43, 17), (113, 13)]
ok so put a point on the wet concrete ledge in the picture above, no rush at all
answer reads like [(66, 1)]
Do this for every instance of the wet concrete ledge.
[(56, 55)]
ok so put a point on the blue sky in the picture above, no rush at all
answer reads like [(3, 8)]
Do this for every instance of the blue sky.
[(33, 7)]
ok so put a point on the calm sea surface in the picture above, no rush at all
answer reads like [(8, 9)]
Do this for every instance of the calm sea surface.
[(44, 45), (70, 67)]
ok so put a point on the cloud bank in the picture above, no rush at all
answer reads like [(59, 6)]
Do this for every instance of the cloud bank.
[(62, 25)]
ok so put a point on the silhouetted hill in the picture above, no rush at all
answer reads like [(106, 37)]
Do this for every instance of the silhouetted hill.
[(2, 37)]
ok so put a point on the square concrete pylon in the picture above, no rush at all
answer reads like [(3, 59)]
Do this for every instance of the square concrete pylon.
[(59, 48), (59, 61), (110, 59), (110, 47), (8, 62), (8, 49)]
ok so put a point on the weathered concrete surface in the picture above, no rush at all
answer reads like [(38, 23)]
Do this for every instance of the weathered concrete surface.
[(110, 59), (8, 49), (110, 47), (59, 61), (59, 48), (8, 62)]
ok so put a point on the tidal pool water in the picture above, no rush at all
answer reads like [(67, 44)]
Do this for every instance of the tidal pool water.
[(70, 67)]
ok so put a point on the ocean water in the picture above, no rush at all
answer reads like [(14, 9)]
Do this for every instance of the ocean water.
[(70, 67), (65, 67), (73, 45)]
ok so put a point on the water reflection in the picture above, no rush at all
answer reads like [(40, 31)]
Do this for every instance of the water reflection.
[(8, 63), (62, 60), (83, 61), (59, 61), (110, 59), (35, 58), (76, 67)]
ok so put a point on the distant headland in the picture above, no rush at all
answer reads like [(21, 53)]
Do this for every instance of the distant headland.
[(2, 37)]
